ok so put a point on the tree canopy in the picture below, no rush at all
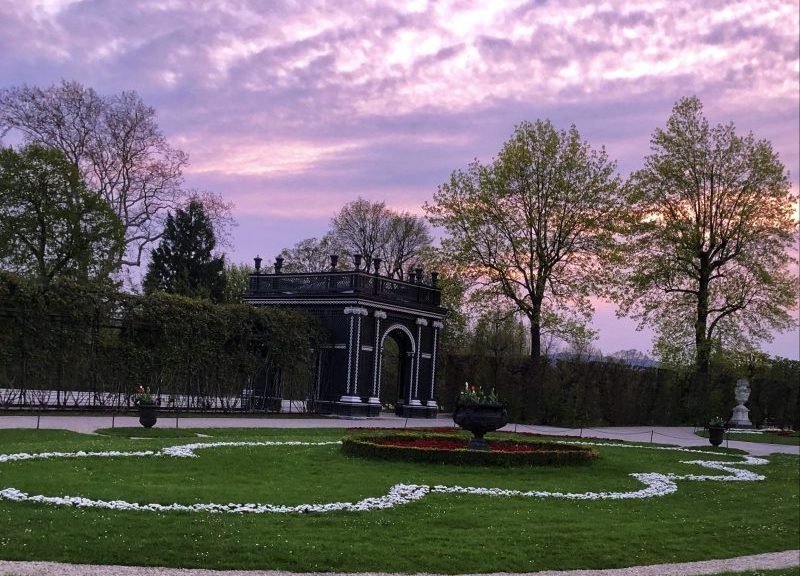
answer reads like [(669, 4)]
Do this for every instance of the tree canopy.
[(535, 225), (309, 255), (369, 229), (710, 243), (51, 225), (184, 262), (116, 145)]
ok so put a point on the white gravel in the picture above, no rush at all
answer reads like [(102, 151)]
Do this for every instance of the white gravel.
[(770, 561)]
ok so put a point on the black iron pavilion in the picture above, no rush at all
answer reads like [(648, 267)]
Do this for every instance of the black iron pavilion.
[(361, 309)]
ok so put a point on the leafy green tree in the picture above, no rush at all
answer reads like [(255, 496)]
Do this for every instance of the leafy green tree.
[(453, 288), (116, 145), (51, 225), (710, 264), (499, 333), (184, 262), (534, 226), (237, 277)]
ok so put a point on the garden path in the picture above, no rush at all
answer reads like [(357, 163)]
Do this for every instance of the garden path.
[(769, 561), (678, 435)]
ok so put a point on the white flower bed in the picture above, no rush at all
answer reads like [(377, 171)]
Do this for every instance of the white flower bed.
[(655, 484)]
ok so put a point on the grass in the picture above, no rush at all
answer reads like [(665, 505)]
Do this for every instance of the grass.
[(761, 438), (442, 533)]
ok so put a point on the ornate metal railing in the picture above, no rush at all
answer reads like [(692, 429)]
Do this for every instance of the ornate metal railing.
[(333, 283)]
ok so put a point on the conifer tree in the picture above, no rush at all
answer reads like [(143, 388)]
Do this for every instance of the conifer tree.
[(184, 262)]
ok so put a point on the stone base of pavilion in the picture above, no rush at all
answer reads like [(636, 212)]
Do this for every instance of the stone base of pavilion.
[(372, 410)]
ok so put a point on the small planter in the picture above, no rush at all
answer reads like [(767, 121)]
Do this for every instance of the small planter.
[(480, 419), (716, 435), (148, 415)]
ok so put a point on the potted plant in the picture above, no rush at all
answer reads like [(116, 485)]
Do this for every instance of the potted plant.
[(148, 408), (716, 431), (479, 412)]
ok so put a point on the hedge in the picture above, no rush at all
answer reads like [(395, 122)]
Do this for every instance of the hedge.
[(577, 393), (103, 343)]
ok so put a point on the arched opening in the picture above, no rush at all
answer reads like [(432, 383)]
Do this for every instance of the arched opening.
[(397, 358)]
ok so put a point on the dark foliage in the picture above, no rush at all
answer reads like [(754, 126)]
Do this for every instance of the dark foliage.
[(184, 262), (612, 393), (97, 346)]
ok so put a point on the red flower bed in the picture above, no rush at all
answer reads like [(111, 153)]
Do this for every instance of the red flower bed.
[(415, 446), (443, 444), (435, 430)]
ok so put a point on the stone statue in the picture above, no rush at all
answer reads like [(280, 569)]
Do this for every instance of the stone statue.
[(740, 418)]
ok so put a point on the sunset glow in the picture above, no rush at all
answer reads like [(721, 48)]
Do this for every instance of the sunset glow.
[(290, 110)]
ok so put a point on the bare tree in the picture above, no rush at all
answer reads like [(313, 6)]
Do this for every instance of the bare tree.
[(375, 231), (362, 227), (407, 235), (115, 143), (217, 210), (369, 229), (309, 255)]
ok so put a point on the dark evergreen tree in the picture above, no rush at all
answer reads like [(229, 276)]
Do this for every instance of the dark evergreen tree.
[(184, 262)]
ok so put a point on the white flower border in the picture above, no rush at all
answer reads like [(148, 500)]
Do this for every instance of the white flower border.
[(655, 484)]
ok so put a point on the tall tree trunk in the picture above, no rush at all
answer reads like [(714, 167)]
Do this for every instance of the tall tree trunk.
[(702, 352), (535, 318), (701, 322)]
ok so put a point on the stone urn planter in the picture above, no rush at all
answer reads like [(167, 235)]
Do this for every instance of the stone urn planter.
[(148, 415), (480, 419), (716, 435)]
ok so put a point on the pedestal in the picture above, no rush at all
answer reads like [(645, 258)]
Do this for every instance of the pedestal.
[(740, 418)]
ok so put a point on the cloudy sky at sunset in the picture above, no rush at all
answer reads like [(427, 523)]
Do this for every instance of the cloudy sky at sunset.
[(292, 109)]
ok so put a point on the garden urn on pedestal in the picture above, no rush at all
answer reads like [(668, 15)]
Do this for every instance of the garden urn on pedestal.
[(716, 431), (148, 415), (479, 412), (740, 418), (480, 419), (147, 405)]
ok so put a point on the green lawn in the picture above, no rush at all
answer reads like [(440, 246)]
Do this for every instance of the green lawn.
[(761, 438), (443, 533)]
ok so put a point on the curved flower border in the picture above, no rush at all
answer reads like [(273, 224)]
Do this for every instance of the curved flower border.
[(655, 484)]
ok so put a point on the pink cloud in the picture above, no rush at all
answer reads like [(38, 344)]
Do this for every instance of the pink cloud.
[(291, 110)]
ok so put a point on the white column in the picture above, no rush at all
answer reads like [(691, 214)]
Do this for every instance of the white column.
[(352, 355), (377, 358), (411, 401), (436, 327), (415, 377)]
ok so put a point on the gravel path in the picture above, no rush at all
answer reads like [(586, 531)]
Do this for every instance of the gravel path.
[(773, 560)]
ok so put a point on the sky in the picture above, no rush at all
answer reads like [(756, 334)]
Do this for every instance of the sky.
[(290, 110)]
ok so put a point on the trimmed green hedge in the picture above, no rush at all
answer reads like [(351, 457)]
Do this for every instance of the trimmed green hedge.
[(365, 445), (76, 339), (608, 392)]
